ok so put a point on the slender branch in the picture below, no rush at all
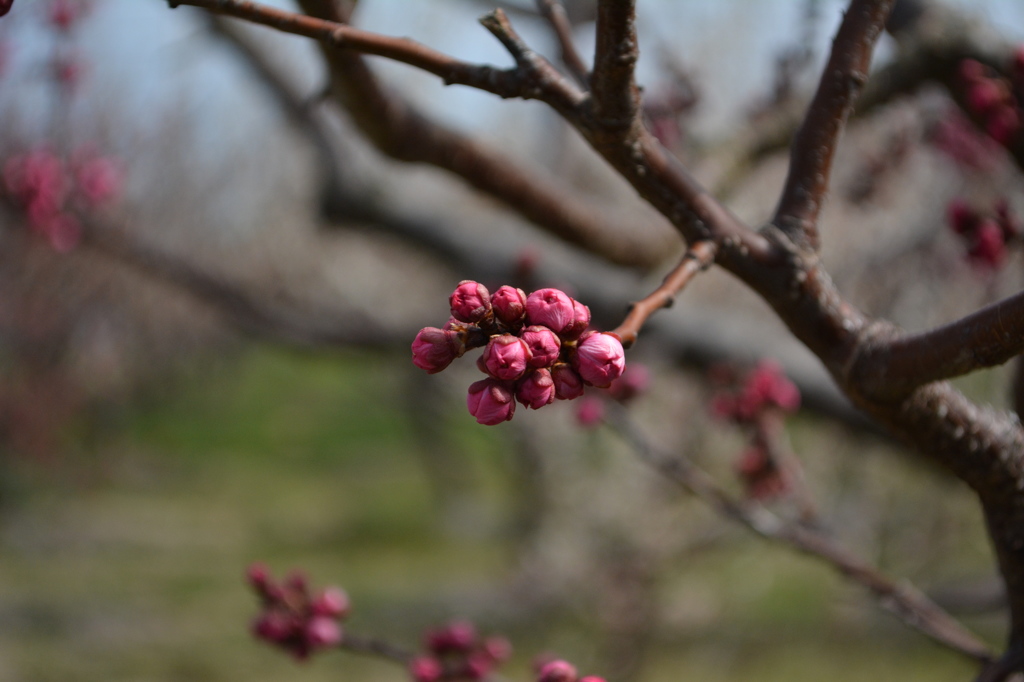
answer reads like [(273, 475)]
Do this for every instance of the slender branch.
[(697, 258), (815, 144), (378, 648), (985, 338), (616, 97), (554, 12), (516, 82), (910, 605)]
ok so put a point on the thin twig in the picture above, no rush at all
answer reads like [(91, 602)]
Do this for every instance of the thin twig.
[(910, 605), (379, 648), (816, 140), (554, 12), (616, 97), (697, 258)]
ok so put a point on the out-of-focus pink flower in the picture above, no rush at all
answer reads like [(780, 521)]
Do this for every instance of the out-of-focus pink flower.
[(64, 14), (498, 648), (506, 357), (568, 383), (490, 402), (986, 94), (557, 671), (323, 632), (590, 412), (456, 637), (544, 344), (68, 70), (5, 6), (509, 304), (957, 137), (478, 665), (470, 302), (536, 389), (62, 231), (425, 669), (768, 384), (962, 218), (989, 249), (634, 380), (1003, 123), (551, 308), (434, 349), (600, 358), (332, 602), (99, 180), (592, 678)]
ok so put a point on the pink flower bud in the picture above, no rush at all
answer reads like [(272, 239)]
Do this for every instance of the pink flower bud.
[(962, 218), (1002, 124), (274, 626), (551, 308), (425, 669), (767, 384), (498, 648), (509, 304), (490, 402), (434, 349), (970, 70), (322, 632), (536, 389), (592, 678), (332, 602), (600, 359), (634, 381), (506, 357), (470, 302), (989, 250), (543, 343), (568, 384), (99, 180), (984, 95), (590, 412), (557, 671), (478, 666), (258, 576), (64, 14), (580, 321), (456, 637)]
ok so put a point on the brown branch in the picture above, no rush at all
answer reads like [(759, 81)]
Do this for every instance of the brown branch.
[(377, 648), (814, 146), (988, 337), (616, 97), (554, 12), (910, 605), (697, 258)]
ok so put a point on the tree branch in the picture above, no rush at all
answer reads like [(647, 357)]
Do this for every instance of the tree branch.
[(907, 603), (814, 146), (697, 258), (616, 97), (988, 337), (554, 12)]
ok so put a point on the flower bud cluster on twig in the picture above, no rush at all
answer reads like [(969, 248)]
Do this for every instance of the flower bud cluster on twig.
[(292, 618), (757, 403), (994, 100), (456, 652), (987, 237), (537, 348)]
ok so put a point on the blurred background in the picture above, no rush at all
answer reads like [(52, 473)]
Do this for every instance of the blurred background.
[(204, 358)]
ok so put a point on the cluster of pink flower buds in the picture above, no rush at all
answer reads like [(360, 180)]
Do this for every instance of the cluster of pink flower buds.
[(991, 98), (762, 477), (291, 618), (48, 188), (456, 652), (558, 670), (987, 237), (537, 348), (764, 388), (634, 381)]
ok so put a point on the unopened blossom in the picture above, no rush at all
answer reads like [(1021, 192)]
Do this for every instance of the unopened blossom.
[(323, 632), (580, 322), (568, 383), (491, 402), (544, 344), (425, 669), (506, 357), (634, 380), (600, 359), (536, 389), (470, 302), (768, 384), (989, 249), (550, 307), (985, 95), (434, 349), (590, 411), (962, 218), (1003, 123), (498, 648), (333, 602), (509, 304), (557, 671)]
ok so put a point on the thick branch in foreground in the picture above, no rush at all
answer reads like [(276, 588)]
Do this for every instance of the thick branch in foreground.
[(814, 147), (989, 337), (616, 97), (910, 605)]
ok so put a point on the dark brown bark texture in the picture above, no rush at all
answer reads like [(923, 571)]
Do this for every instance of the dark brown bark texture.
[(893, 377)]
